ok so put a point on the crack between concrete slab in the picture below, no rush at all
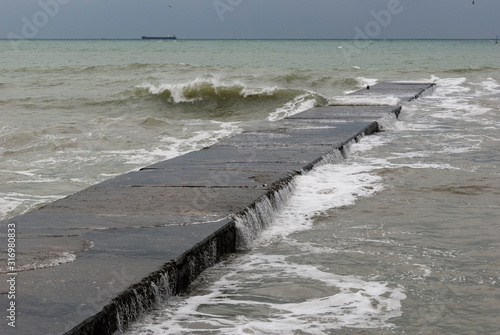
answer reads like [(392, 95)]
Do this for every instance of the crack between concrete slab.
[(201, 186)]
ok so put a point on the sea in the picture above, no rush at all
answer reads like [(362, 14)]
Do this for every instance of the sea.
[(401, 237)]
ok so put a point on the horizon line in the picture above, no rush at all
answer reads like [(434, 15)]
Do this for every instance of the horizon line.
[(247, 39)]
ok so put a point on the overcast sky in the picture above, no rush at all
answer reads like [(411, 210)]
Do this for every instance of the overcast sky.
[(301, 19)]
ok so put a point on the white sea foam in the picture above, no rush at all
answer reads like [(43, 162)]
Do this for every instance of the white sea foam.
[(299, 104), (452, 99), (449, 86), (8, 205), (363, 82), (488, 87), (257, 292), (28, 173), (170, 147), (460, 109), (49, 261), (364, 100), (247, 92), (17, 203), (185, 91), (326, 187)]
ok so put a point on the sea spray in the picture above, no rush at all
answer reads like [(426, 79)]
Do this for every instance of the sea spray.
[(259, 216), (387, 122), (151, 293), (333, 157), (130, 305), (347, 147), (299, 104), (205, 258)]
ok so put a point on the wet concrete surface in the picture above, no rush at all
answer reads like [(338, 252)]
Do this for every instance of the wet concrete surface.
[(93, 261)]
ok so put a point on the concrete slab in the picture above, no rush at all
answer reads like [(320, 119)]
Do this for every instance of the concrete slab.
[(405, 91), (244, 175), (54, 300), (115, 203), (224, 154), (331, 136), (294, 147), (347, 112)]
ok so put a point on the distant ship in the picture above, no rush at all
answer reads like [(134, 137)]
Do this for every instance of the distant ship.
[(168, 37)]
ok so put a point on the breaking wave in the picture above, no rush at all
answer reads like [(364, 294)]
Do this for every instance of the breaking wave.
[(216, 97), (206, 88)]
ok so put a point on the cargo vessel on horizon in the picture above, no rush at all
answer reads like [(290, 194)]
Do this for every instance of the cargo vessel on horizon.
[(168, 37)]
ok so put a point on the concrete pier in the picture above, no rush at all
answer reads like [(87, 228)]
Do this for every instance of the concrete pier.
[(99, 258)]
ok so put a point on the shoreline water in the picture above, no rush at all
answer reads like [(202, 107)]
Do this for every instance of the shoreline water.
[(73, 115)]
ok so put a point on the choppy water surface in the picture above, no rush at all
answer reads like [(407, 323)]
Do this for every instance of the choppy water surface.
[(401, 238)]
